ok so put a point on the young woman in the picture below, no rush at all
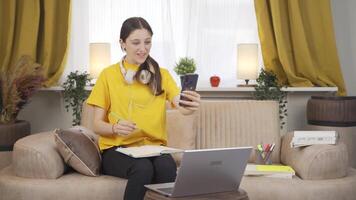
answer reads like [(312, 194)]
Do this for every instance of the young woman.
[(130, 105)]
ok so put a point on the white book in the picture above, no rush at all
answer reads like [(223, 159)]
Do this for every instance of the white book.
[(279, 175), (147, 151), (319, 140), (306, 138), (298, 142), (303, 145), (315, 134)]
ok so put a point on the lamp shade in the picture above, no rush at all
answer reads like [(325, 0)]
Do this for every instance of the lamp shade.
[(99, 58), (247, 61)]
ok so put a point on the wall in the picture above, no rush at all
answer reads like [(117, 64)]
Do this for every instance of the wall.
[(345, 29), (46, 112)]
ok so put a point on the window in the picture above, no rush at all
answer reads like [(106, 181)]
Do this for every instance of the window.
[(206, 30)]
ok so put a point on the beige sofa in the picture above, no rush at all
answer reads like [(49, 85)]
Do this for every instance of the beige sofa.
[(322, 170)]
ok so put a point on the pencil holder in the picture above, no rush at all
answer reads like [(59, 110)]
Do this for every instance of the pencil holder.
[(263, 158)]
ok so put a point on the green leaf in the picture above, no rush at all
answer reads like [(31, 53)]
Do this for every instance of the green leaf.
[(185, 65), (268, 88), (75, 93)]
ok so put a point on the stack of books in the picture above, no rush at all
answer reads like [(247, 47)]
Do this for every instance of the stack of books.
[(306, 138), (271, 171)]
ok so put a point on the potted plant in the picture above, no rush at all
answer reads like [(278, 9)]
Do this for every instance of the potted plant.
[(17, 85), (75, 93), (268, 88), (185, 68)]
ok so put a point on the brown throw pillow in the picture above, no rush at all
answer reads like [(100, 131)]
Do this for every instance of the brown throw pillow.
[(91, 134), (78, 151)]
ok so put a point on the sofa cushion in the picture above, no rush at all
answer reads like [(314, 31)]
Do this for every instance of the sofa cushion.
[(315, 162), (36, 156), (181, 130), (266, 188), (70, 186), (5, 158), (78, 151)]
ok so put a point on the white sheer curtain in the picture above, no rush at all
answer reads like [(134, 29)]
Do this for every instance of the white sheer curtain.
[(214, 30), (206, 30), (78, 48)]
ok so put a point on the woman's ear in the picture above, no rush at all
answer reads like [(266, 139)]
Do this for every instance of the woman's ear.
[(122, 45)]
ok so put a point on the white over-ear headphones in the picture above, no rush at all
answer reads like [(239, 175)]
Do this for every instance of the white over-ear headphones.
[(144, 77)]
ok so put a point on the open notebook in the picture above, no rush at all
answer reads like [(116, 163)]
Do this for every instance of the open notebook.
[(147, 151)]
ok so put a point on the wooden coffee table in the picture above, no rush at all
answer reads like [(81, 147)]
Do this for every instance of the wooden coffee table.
[(235, 195)]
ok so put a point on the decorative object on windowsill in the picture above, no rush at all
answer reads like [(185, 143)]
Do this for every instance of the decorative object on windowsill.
[(334, 111), (247, 63), (75, 93), (214, 81), (17, 85), (99, 59), (185, 68), (268, 88)]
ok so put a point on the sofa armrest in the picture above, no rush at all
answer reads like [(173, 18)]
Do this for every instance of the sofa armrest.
[(315, 162), (36, 156)]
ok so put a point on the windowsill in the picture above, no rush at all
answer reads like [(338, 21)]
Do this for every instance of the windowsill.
[(230, 89), (251, 89)]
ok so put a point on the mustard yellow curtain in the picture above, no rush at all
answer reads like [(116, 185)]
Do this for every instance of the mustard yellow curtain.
[(298, 42), (38, 28)]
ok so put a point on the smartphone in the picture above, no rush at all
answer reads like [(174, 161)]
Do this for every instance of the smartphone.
[(188, 82)]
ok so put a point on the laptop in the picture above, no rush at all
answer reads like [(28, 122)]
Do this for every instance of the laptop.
[(207, 171)]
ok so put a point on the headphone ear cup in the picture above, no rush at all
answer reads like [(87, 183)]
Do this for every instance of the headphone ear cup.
[(145, 77), (129, 76)]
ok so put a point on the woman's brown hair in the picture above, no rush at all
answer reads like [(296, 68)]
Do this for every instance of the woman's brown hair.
[(130, 25)]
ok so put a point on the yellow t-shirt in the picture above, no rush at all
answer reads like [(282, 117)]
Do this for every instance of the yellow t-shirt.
[(134, 102)]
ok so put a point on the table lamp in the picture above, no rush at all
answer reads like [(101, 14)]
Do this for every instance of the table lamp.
[(99, 58), (247, 62)]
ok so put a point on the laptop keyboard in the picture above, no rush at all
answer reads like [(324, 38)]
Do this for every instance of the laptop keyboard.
[(166, 190)]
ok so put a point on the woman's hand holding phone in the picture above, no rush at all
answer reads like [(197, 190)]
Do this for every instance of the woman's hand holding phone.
[(192, 102), (188, 97)]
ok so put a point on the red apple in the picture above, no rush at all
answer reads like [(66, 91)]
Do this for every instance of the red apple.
[(214, 81)]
